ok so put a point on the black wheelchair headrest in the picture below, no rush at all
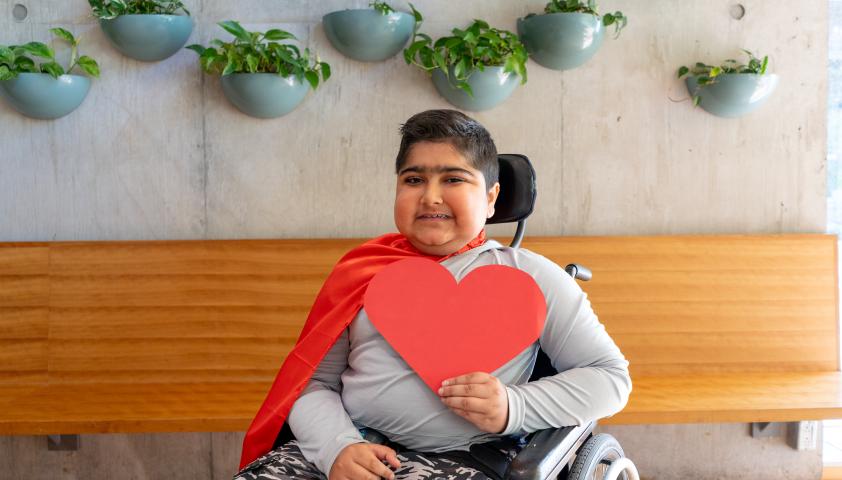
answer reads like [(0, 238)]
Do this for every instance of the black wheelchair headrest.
[(517, 189)]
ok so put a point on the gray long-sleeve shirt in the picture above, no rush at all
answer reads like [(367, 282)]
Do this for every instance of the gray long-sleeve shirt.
[(363, 382)]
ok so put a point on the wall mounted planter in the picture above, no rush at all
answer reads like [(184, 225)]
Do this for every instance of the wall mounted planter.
[(367, 35), (148, 38), (490, 87), (561, 41), (733, 94), (39, 95), (264, 95)]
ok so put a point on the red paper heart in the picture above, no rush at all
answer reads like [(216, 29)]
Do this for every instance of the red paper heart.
[(443, 329)]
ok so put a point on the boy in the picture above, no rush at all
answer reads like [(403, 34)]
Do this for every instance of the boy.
[(344, 379)]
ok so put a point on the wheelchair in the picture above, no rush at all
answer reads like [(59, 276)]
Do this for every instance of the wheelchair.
[(566, 453)]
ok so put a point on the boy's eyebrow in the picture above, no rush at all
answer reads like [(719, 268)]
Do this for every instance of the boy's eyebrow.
[(436, 169)]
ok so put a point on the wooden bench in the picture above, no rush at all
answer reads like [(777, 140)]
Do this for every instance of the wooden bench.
[(178, 336)]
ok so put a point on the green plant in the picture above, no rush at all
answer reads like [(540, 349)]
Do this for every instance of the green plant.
[(386, 9), (589, 6), (15, 59), (468, 50), (708, 74), (256, 52), (108, 9), (382, 7)]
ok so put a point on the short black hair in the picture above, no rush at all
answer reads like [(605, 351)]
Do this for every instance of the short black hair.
[(462, 132)]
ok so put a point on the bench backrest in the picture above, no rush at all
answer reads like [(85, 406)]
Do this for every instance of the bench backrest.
[(205, 311)]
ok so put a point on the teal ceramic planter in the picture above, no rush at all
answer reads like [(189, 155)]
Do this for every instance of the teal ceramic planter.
[(561, 41), (491, 87), (264, 95), (367, 35), (38, 95), (148, 38), (733, 94)]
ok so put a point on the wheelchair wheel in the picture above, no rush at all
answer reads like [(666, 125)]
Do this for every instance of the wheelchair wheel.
[(595, 457)]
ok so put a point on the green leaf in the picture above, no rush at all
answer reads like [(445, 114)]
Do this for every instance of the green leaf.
[(230, 67), (765, 64), (467, 88), (210, 59), (409, 53), (234, 28), (415, 13), (696, 100), (197, 48), (312, 79), (715, 71), (251, 62), (438, 58), (277, 34), (6, 73), (64, 35), (54, 69), (89, 65), (683, 71), (460, 70), (510, 65), (39, 50), (25, 64), (7, 56), (325, 69)]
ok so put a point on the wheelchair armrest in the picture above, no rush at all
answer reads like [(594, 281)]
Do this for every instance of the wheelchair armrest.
[(548, 452)]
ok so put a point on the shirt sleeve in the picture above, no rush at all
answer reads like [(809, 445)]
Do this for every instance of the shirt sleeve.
[(318, 418), (593, 380)]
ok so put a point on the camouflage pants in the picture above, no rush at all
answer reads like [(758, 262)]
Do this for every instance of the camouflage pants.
[(288, 463)]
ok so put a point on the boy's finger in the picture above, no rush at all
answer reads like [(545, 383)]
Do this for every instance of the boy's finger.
[(360, 471), (385, 453), (376, 466), (468, 404), (477, 390), (474, 377)]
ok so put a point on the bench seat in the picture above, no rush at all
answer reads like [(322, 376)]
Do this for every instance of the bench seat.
[(177, 336), (230, 406)]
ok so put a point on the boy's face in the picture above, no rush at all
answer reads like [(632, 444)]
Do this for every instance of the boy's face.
[(441, 201)]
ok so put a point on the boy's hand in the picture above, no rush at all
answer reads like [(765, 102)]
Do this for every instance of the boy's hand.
[(364, 461), (479, 398)]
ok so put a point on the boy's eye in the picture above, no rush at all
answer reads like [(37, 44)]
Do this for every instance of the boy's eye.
[(412, 180), (455, 180)]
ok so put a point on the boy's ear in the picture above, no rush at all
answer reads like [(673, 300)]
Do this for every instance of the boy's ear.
[(493, 193)]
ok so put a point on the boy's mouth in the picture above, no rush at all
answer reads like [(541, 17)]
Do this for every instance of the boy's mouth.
[(433, 216)]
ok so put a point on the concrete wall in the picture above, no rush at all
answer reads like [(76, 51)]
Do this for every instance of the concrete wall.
[(156, 152)]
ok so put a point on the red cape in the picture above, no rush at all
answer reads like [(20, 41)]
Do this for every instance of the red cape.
[(336, 305)]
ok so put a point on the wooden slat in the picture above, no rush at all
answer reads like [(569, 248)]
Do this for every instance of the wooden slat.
[(772, 315), (23, 344), (184, 290), (739, 397), (177, 344), (24, 290), (184, 360), (104, 323), (24, 259), (132, 408), (674, 353), (220, 257)]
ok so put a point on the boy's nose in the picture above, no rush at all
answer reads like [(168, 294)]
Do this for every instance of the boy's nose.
[(432, 195)]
